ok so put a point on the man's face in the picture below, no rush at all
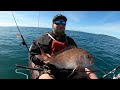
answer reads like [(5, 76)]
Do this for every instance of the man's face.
[(59, 26)]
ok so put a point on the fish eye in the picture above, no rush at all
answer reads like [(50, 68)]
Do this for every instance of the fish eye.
[(80, 63), (89, 57)]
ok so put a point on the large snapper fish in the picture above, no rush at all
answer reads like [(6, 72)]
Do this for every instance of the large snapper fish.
[(69, 58)]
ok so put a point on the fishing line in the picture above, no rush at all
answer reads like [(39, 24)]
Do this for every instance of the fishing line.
[(23, 41), (21, 73), (38, 19), (73, 71), (103, 71), (110, 72)]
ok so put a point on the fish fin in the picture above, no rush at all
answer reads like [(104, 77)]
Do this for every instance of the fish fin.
[(67, 48), (43, 55)]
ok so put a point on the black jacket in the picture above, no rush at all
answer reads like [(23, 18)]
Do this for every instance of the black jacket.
[(45, 43)]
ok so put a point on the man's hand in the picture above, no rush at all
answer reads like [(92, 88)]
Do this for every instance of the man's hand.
[(47, 62), (42, 57), (90, 73)]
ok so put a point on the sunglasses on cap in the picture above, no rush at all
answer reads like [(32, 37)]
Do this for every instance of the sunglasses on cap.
[(57, 22)]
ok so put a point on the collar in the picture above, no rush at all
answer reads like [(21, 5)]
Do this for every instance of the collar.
[(59, 38)]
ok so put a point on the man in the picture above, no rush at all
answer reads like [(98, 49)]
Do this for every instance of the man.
[(50, 43)]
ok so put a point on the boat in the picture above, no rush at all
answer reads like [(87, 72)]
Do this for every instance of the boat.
[(34, 73), (35, 70)]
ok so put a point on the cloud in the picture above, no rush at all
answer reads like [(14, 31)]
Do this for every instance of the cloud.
[(7, 23), (106, 18), (75, 16), (105, 26), (112, 29), (5, 12)]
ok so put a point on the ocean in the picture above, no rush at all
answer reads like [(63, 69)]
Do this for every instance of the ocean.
[(105, 50)]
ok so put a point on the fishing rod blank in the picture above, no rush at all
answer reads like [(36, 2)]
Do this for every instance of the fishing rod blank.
[(111, 72), (23, 41)]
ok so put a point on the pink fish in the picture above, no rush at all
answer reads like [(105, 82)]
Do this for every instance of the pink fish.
[(18, 35), (69, 58)]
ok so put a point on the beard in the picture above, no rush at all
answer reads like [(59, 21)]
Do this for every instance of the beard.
[(59, 30)]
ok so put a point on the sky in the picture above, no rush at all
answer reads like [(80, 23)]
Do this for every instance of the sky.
[(97, 22)]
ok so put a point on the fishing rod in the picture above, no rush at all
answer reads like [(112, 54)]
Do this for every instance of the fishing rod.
[(39, 69), (23, 40), (24, 43), (112, 71), (26, 67)]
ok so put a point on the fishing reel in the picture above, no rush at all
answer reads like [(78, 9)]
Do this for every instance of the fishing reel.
[(116, 76), (23, 43), (112, 72)]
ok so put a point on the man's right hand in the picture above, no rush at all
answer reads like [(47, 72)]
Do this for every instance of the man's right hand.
[(42, 58)]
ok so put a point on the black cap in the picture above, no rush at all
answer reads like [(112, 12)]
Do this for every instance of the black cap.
[(59, 16)]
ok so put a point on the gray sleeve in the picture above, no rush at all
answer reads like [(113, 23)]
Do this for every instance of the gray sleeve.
[(35, 49), (44, 39)]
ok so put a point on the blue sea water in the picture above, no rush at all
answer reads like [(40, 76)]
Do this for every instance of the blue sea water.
[(105, 50)]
